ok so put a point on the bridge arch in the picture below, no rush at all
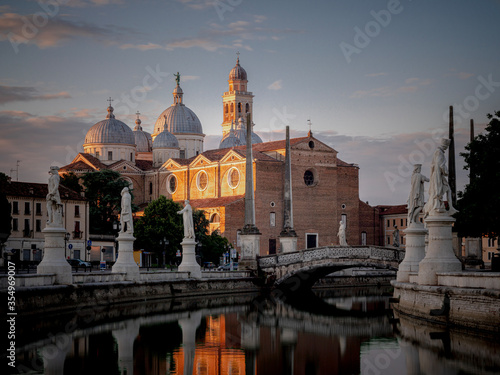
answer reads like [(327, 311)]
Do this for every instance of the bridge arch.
[(301, 269)]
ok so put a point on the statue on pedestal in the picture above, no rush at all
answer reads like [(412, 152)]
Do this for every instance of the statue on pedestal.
[(416, 199), (126, 220), (439, 182), (187, 216), (341, 234), (395, 236), (54, 204)]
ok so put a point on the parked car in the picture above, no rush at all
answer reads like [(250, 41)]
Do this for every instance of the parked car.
[(208, 265), (227, 267), (77, 263)]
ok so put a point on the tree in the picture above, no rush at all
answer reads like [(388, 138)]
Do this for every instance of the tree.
[(5, 211), (71, 181), (103, 191), (479, 203), (161, 221)]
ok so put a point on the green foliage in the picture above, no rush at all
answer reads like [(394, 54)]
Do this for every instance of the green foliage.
[(479, 203), (103, 191), (5, 210), (71, 181), (161, 221)]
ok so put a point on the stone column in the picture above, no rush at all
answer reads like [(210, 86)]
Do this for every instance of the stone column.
[(250, 342), (125, 338), (288, 237), (53, 256), (440, 256), (189, 263), (189, 326), (415, 251), (250, 235), (125, 262)]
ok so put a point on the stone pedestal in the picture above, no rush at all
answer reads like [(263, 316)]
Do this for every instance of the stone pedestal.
[(189, 326), (250, 249), (189, 263), (53, 256), (288, 244), (415, 251), (125, 262), (440, 256)]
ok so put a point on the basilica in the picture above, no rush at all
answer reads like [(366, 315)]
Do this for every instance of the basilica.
[(172, 162)]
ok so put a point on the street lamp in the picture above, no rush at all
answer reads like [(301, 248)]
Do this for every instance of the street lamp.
[(66, 239), (165, 244)]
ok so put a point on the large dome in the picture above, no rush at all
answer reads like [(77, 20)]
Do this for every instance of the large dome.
[(238, 72), (143, 140), (230, 141), (178, 119), (111, 131)]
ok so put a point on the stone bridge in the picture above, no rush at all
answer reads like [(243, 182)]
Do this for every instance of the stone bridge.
[(301, 269)]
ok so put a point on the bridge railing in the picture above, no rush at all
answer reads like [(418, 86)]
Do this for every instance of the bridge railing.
[(332, 252)]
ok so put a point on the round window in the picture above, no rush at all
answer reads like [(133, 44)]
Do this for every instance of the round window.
[(343, 206), (309, 177), (233, 178), (202, 180), (171, 184), (311, 144)]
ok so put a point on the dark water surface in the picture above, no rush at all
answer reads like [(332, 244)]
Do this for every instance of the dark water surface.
[(335, 331)]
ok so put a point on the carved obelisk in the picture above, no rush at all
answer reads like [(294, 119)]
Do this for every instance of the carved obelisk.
[(250, 235), (288, 237), (451, 161)]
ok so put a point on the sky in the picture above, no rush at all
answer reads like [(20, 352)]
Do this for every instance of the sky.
[(375, 78)]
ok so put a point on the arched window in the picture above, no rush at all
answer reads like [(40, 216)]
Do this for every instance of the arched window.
[(232, 107), (247, 108), (239, 107), (215, 218), (226, 108), (171, 184), (202, 180)]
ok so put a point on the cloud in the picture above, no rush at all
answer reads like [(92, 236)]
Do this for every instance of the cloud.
[(459, 75), (23, 94), (39, 142), (55, 31), (276, 85), (411, 85), (259, 18), (87, 3), (198, 4)]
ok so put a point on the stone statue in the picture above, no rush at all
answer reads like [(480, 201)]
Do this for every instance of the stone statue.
[(439, 183), (177, 78), (395, 236), (416, 199), (187, 216), (54, 205), (341, 234), (126, 220)]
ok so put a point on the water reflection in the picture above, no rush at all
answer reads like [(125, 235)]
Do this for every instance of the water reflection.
[(341, 331)]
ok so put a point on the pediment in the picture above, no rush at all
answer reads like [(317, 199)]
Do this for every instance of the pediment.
[(316, 144), (232, 156), (124, 166), (200, 161), (169, 165)]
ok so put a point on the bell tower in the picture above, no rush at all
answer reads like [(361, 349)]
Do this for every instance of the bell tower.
[(237, 102)]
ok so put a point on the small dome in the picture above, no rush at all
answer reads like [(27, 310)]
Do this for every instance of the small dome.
[(230, 141), (143, 140), (177, 90), (241, 133), (238, 72), (110, 130), (165, 140)]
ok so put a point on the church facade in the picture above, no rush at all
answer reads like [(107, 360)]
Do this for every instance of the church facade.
[(172, 162)]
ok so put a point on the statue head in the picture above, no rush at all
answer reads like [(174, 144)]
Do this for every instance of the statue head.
[(53, 169), (124, 190), (445, 142), (417, 168)]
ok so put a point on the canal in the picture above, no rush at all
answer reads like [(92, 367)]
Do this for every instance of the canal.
[(331, 331)]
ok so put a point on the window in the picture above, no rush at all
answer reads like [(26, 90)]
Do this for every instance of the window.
[(247, 108), (233, 178), (15, 208), (272, 246), (388, 240), (77, 211), (27, 231), (343, 217), (27, 209), (131, 157), (311, 145), (15, 225), (38, 209), (97, 154), (272, 219), (309, 177), (311, 240), (202, 180), (110, 155), (239, 107), (182, 154), (388, 223), (150, 188), (171, 184), (77, 233), (26, 254), (226, 108), (402, 221), (38, 226), (215, 218), (393, 222)]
